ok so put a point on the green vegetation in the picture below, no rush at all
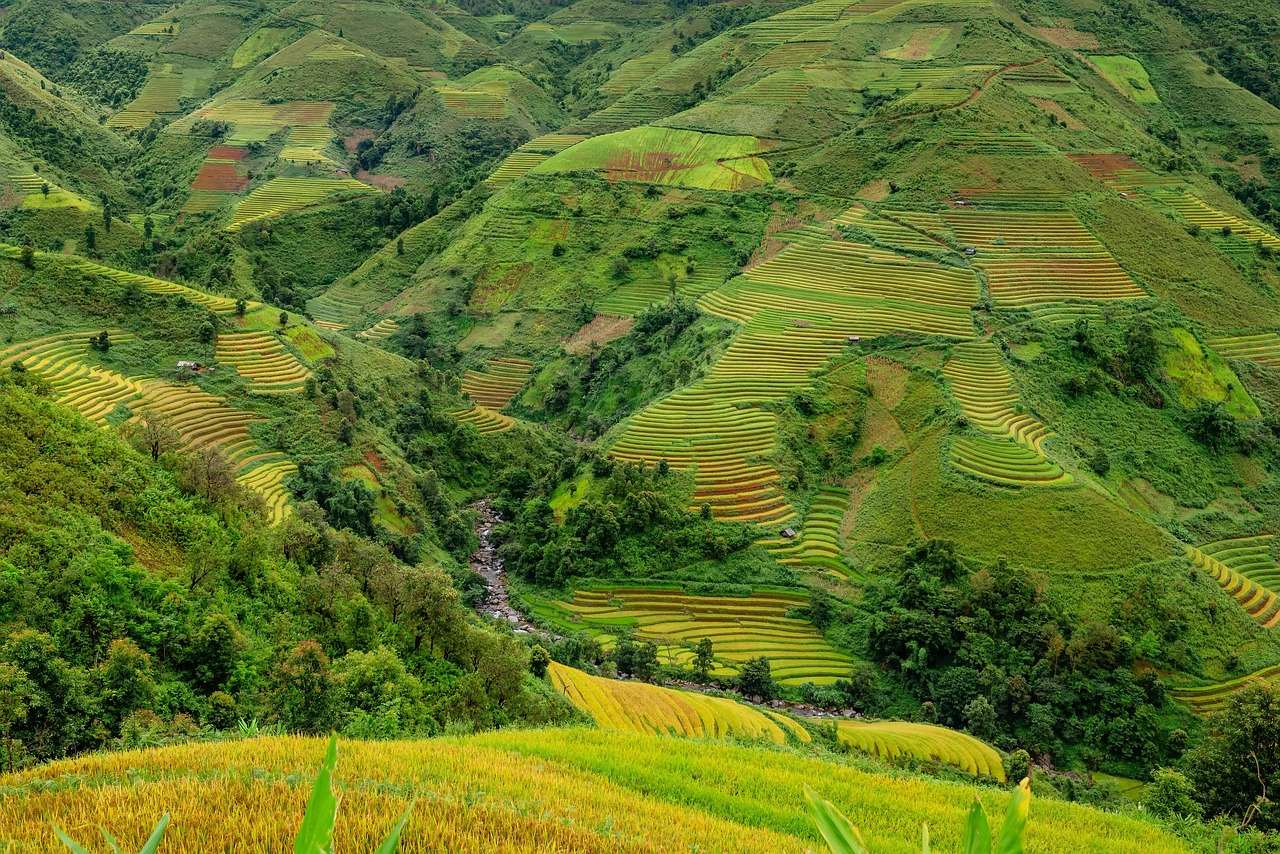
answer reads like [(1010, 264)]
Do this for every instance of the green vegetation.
[(400, 369)]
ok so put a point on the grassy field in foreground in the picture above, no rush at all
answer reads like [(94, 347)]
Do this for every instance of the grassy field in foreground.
[(541, 790)]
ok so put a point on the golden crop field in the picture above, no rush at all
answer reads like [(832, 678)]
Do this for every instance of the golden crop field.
[(565, 790), (891, 739), (637, 707)]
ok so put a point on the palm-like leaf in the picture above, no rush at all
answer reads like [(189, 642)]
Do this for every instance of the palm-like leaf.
[(976, 837), (1013, 834)]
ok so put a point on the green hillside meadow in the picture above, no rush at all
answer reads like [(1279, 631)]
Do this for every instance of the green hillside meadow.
[(608, 418)]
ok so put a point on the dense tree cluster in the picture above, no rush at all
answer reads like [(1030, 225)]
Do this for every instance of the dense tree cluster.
[(991, 653), (213, 617)]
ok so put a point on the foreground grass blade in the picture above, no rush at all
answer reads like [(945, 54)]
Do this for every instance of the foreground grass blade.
[(841, 836), (1012, 835), (68, 841), (153, 842), (976, 837), (392, 841), (315, 836)]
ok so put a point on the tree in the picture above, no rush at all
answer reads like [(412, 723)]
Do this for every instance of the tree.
[(29, 256), (152, 432), (1211, 424), (539, 660), (90, 238), (215, 651), (148, 227), (17, 695), (305, 689), (126, 680), (756, 678), (399, 245), (44, 189), (106, 216), (703, 658), (1170, 794), (241, 307), (209, 474), (981, 718), (1239, 755), (644, 665), (100, 342)]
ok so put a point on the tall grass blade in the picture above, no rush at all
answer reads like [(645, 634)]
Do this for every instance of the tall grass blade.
[(392, 841), (1013, 834), (315, 836), (842, 837), (976, 836)]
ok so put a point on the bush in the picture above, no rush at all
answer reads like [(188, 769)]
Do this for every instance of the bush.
[(1170, 794)]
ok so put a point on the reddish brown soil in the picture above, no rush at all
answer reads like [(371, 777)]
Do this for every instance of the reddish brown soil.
[(216, 175), (382, 182), (601, 329), (227, 152), (353, 141)]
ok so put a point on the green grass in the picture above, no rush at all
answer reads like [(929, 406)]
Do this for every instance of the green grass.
[(1202, 375), (1127, 75), (261, 43)]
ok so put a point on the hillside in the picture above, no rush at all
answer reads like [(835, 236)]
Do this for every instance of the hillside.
[(562, 790), (895, 377)]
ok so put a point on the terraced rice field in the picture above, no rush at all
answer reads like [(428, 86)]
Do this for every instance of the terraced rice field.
[(1036, 258), (158, 96), (382, 329), (1197, 212), (63, 362), (281, 195), (201, 420), (895, 739), (1121, 172), (219, 176), (799, 308), (221, 305), (157, 28), (739, 628), (531, 154), (637, 707), (255, 121), (857, 289), (473, 104), (308, 144), (888, 232), (1213, 698), (817, 545), (31, 185), (262, 360), (1244, 569), (669, 156), (1261, 347), (494, 387), (787, 86), (205, 201), (1005, 462), (633, 72), (983, 386), (987, 142), (485, 420), (206, 421)]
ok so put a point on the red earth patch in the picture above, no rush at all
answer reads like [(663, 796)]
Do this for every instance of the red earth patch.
[(227, 152), (219, 175)]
